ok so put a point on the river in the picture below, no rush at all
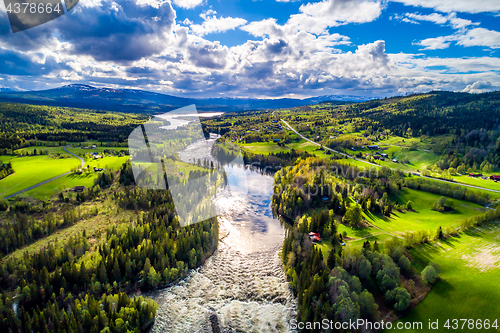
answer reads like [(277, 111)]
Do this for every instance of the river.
[(242, 287)]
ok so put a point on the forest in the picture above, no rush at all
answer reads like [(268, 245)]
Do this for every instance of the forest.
[(26, 125), (375, 281), (77, 285)]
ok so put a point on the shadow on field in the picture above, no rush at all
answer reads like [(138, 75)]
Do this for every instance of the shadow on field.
[(378, 217), (451, 241), (443, 288), (476, 232)]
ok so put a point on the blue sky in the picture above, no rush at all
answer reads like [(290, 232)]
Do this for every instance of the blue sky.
[(261, 49)]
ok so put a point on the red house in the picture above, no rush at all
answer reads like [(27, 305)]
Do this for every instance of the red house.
[(475, 174), (315, 237), (495, 178)]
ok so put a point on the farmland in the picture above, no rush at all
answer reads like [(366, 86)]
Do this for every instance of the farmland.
[(470, 276), (31, 170)]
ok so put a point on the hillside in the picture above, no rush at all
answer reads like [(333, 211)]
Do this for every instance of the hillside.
[(22, 123)]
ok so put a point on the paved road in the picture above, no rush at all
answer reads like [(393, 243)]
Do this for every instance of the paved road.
[(320, 145), (48, 180), (354, 158), (78, 157)]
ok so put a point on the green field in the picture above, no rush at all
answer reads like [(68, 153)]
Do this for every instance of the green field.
[(486, 183), (82, 152), (468, 287), (264, 148), (32, 170), (50, 150), (73, 180), (423, 217)]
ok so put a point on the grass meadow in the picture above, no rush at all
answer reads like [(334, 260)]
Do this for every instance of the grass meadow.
[(31, 170), (468, 287), (422, 217)]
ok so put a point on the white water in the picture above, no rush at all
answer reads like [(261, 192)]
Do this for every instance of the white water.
[(242, 287)]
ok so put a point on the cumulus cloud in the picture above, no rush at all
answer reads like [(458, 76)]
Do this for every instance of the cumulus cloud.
[(478, 87), (317, 16), (188, 4), (106, 31), (447, 6), (466, 38), (437, 43), (213, 24), (139, 43), (450, 19), (480, 37)]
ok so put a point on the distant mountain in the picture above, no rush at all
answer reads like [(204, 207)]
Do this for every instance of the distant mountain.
[(2, 89), (336, 98), (140, 101)]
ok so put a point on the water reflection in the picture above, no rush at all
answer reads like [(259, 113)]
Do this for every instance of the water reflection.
[(242, 287)]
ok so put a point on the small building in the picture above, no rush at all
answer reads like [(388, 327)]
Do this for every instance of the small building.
[(93, 146), (395, 160), (382, 159), (96, 157), (353, 149), (373, 147), (325, 199), (276, 140), (79, 188), (376, 157), (475, 175), (98, 169), (315, 237), (495, 178), (385, 155)]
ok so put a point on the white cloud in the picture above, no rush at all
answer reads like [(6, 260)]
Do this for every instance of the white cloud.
[(434, 17), (478, 87), (317, 16), (450, 19), (466, 6), (188, 4), (480, 37), (438, 43), (466, 38), (153, 3), (213, 24)]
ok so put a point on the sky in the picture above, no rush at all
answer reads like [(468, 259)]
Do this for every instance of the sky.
[(261, 49)]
